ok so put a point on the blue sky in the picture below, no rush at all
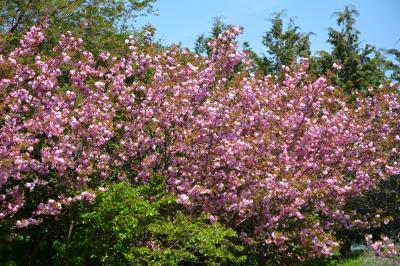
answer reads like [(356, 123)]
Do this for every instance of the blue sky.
[(183, 20)]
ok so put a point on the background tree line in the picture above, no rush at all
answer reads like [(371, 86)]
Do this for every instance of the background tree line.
[(362, 66)]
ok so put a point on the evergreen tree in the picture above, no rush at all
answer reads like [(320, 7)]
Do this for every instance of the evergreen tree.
[(361, 67), (394, 65), (284, 46), (201, 44)]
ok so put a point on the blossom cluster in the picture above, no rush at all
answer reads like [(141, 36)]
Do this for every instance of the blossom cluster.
[(384, 247), (276, 158)]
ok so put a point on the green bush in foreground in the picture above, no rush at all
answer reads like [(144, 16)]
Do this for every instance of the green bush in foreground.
[(124, 227)]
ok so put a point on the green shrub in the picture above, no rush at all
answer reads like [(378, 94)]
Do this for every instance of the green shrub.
[(128, 225)]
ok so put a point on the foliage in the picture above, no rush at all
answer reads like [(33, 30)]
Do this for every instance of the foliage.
[(384, 201), (394, 65), (201, 44), (284, 46), (102, 23), (125, 226), (361, 67), (275, 159)]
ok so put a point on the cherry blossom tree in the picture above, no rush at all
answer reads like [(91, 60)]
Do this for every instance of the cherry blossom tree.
[(274, 158)]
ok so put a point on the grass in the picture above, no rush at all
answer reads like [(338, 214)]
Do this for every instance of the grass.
[(370, 259), (358, 258)]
